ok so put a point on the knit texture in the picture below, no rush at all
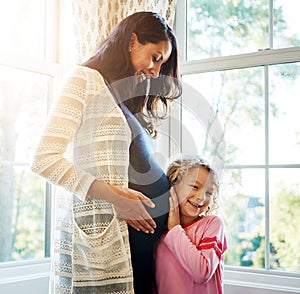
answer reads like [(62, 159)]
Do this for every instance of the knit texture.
[(86, 138)]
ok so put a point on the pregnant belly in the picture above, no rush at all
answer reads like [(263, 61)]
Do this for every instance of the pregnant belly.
[(144, 173)]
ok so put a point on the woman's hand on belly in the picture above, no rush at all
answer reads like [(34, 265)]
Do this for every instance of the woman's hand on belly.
[(128, 203), (130, 206)]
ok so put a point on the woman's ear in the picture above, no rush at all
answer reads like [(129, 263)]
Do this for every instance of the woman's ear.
[(133, 41)]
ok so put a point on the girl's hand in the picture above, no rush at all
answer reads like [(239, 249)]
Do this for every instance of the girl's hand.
[(130, 206), (174, 214)]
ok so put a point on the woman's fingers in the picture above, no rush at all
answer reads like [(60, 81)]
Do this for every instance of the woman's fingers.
[(130, 207), (139, 225), (133, 224), (140, 219), (147, 201)]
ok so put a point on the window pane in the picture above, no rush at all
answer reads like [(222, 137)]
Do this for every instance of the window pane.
[(286, 33), (22, 26), (285, 219), (242, 194), (23, 105), (284, 113), (218, 28), (236, 97)]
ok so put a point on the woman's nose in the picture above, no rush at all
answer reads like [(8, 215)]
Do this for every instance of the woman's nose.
[(155, 71)]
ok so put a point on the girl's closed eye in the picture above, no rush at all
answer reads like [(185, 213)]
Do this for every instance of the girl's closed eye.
[(209, 193)]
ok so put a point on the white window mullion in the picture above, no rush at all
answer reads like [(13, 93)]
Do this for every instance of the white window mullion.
[(271, 23), (180, 28), (261, 58), (267, 188), (52, 12)]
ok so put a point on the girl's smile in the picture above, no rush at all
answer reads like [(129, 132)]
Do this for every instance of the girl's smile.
[(195, 205)]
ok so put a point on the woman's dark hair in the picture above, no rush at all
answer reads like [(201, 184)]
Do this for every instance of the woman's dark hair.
[(112, 60)]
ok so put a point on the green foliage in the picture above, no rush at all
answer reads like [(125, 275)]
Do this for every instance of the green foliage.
[(28, 228), (216, 27), (236, 23), (235, 216), (248, 249), (22, 193), (285, 219)]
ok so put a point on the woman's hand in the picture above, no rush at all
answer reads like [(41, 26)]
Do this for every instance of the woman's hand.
[(128, 203), (174, 214), (130, 207)]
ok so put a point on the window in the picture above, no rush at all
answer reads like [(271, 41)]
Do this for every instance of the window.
[(220, 28), (29, 74), (25, 96), (242, 59)]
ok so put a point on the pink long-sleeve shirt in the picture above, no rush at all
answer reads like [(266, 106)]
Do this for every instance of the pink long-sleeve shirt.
[(190, 258)]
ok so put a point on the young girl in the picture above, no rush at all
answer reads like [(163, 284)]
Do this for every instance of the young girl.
[(190, 255)]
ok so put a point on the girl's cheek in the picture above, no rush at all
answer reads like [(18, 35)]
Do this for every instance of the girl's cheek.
[(181, 198)]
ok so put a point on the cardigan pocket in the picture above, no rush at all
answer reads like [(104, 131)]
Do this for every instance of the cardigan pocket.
[(105, 254)]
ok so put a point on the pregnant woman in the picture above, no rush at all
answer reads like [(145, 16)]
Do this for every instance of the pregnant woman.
[(108, 180)]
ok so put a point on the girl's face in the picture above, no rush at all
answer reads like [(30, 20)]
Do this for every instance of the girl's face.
[(147, 59), (194, 193)]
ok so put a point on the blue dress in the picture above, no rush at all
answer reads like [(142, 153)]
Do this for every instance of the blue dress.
[(146, 176)]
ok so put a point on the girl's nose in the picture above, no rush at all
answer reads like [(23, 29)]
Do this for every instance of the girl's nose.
[(201, 195)]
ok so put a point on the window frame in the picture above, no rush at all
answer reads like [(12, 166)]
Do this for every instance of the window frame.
[(239, 276), (30, 269), (17, 271), (34, 268)]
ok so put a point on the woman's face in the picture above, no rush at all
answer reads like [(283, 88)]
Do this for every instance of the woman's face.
[(147, 59), (194, 193)]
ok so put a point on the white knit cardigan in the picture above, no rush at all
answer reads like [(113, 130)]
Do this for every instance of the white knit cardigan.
[(86, 138)]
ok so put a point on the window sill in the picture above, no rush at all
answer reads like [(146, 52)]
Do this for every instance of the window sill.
[(234, 278), (279, 282), (11, 272)]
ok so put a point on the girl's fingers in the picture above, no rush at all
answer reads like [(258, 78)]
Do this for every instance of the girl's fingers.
[(171, 203), (174, 196), (172, 192), (174, 217)]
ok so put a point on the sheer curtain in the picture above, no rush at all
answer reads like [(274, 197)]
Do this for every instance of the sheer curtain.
[(94, 19)]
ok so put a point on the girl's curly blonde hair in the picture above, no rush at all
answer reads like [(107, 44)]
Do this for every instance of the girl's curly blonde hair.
[(180, 166)]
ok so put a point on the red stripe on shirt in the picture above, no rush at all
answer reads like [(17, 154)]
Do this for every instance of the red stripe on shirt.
[(212, 243)]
